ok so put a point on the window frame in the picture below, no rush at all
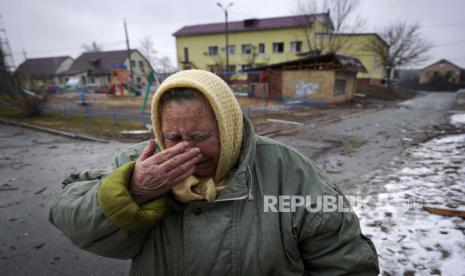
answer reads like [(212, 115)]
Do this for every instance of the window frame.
[(245, 47), (275, 47), (212, 51), (261, 48), (294, 45)]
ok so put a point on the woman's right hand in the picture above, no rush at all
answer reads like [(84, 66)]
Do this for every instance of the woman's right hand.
[(155, 174)]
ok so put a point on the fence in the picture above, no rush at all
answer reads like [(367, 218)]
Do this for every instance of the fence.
[(89, 113)]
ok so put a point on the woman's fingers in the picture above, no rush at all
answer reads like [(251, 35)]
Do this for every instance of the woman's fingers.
[(179, 161), (182, 168), (167, 154), (182, 177)]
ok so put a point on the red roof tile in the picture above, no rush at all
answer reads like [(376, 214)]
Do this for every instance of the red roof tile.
[(255, 24)]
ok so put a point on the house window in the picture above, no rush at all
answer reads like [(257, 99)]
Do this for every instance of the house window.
[(246, 49), (278, 47), (231, 49), (212, 50), (246, 66), (339, 87), (142, 66), (186, 55), (133, 64), (92, 80), (296, 46), (261, 48), (232, 68)]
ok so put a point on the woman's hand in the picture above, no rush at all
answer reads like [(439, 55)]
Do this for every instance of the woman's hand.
[(154, 175)]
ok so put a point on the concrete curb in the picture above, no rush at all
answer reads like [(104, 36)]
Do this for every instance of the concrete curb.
[(54, 131)]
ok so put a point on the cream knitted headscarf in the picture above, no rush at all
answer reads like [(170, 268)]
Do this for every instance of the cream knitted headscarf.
[(228, 118)]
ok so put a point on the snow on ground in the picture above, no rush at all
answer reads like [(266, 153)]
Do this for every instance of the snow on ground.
[(409, 240), (457, 119)]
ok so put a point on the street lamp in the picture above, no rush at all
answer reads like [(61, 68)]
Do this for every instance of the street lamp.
[(225, 9)]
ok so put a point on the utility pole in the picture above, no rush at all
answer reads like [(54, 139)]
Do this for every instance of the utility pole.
[(225, 9), (24, 54), (7, 62), (131, 72)]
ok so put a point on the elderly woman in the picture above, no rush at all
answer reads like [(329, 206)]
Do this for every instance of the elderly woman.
[(199, 199)]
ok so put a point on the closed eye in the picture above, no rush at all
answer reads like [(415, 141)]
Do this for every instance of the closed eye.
[(201, 136), (173, 137)]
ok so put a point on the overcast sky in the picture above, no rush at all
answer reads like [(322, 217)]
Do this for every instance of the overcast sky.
[(60, 27)]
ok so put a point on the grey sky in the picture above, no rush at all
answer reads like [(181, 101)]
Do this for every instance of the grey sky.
[(59, 27)]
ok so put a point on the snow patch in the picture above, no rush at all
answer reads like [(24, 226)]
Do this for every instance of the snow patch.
[(457, 119), (408, 238)]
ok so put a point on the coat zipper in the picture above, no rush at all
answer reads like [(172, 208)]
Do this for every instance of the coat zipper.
[(249, 195)]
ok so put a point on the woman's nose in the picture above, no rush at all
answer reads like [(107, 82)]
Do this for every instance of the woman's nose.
[(190, 141)]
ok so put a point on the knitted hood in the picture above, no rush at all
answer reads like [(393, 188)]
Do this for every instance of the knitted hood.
[(227, 112)]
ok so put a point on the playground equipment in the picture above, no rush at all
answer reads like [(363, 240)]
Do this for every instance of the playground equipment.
[(119, 80), (151, 78)]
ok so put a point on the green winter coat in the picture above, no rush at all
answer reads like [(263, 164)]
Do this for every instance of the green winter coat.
[(230, 236)]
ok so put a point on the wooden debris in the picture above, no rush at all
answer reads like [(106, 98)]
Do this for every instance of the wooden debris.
[(7, 187), (40, 191), (54, 131), (445, 212), (285, 122), (39, 246)]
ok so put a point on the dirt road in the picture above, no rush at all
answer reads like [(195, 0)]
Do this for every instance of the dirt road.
[(353, 147), (32, 165)]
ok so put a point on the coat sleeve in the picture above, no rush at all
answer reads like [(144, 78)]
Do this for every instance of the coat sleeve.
[(331, 242), (77, 213)]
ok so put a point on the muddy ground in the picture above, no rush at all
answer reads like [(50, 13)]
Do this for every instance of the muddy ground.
[(32, 165)]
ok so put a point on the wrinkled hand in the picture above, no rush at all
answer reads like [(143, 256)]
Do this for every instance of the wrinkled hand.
[(154, 175)]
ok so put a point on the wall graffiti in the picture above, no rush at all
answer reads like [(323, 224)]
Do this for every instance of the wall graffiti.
[(306, 89)]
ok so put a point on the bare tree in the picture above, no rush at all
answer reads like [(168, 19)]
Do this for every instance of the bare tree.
[(159, 64), (14, 98), (344, 19), (92, 48), (148, 50), (406, 47), (165, 65)]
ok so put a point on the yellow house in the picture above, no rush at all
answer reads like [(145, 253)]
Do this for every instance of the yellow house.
[(259, 42), (361, 46)]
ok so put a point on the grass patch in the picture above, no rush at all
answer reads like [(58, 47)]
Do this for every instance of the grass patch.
[(96, 126)]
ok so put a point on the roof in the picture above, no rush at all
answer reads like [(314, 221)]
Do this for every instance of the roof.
[(256, 24), (442, 61), (356, 34), (97, 63), (328, 61), (41, 67)]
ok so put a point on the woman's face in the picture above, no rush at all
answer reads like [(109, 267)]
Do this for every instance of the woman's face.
[(193, 121)]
